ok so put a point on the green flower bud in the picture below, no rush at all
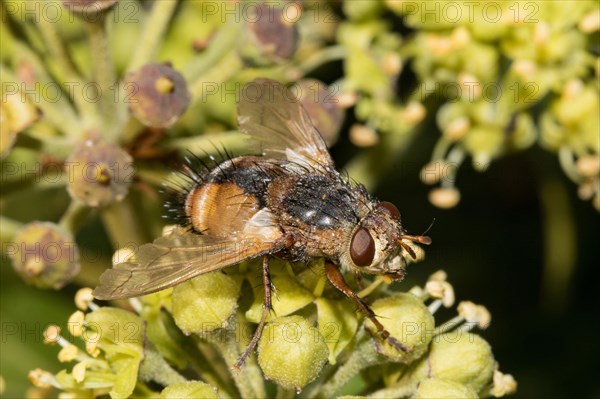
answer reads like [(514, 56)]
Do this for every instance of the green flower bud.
[(407, 320), (157, 94), (444, 389), (205, 303), (190, 389), (291, 352), (576, 103), (271, 35), (100, 173), (358, 64), (120, 335), (322, 106), (292, 297), (17, 113), (460, 357), (108, 326), (362, 10), (45, 255), (484, 143), (480, 60), (524, 133)]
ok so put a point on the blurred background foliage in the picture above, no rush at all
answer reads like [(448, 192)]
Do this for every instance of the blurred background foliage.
[(495, 104)]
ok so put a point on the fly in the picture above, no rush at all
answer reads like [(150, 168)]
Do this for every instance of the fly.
[(290, 202)]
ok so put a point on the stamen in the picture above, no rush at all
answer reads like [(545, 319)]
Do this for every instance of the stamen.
[(434, 306), (68, 353), (476, 314), (136, 304), (441, 290), (79, 371), (449, 325), (42, 379), (52, 336), (84, 299), (76, 323), (440, 275), (504, 384)]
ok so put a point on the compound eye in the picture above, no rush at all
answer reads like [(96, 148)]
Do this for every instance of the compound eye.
[(390, 209), (362, 247)]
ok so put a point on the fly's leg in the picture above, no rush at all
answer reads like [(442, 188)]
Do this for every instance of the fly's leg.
[(266, 309), (335, 277)]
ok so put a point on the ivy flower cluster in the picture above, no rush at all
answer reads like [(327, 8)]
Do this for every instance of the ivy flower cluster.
[(184, 341)]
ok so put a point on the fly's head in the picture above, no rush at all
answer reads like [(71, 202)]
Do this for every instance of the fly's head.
[(375, 244)]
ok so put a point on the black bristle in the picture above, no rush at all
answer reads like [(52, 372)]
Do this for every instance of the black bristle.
[(190, 175)]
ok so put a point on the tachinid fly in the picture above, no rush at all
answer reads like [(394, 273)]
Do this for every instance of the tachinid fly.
[(290, 203)]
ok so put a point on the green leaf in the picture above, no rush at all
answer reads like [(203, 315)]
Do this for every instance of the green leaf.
[(337, 323)]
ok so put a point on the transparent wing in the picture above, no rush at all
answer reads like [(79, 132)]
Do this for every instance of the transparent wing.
[(271, 114), (173, 259)]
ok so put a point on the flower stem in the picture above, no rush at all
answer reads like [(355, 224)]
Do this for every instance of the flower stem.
[(455, 158), (58, 112), (371, 287), (363, 356), (223, 42), (63, 59), (121, 221), (227, 346), (283, 393), (154, 30), (155, 368), (222, 71), (402, 389), (73, 217), (104, 75), (249, 379), (315, 60), (565, 157), (441, 149)]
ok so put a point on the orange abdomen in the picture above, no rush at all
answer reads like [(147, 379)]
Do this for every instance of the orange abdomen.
[(220, 209)]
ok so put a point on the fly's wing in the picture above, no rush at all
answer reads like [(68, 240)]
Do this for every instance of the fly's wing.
[(271, 114), (172, 259)]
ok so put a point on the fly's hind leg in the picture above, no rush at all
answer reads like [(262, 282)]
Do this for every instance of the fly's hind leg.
[(335, 277), (267, 306)]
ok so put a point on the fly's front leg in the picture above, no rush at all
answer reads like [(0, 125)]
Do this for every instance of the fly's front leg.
[(267, 306), (335, 277)]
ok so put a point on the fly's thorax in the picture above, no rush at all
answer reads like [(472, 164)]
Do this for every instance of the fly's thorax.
[(318, 210), (317, 201)]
